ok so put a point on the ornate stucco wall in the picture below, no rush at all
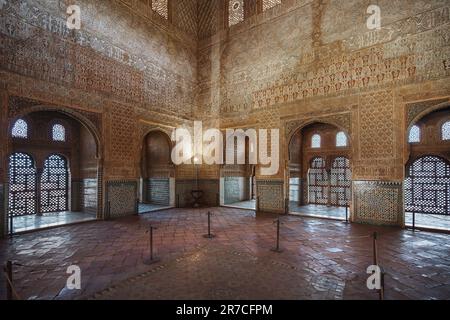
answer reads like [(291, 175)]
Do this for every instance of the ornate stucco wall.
[(128, 71), (315, 60)]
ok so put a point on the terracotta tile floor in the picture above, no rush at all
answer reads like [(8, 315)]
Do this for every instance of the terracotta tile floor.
[(322, 259)]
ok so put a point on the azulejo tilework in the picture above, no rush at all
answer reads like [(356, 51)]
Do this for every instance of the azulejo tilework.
[(121, 198), (378, 202), (270, 195)]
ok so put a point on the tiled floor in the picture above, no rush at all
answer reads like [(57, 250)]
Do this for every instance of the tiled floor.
[(148, 207), (322, 259), (250, 204), (33, 222), (317, 211), (429, 221)]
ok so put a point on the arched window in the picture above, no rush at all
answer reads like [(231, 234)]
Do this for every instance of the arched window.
[(341, 139), (22, 185), (267, 4), (54, 184), (446, 131), (318, 182), (161, 7), (427, 187), (340, 182), (414, 135), (20, 129), (58, 132), (235, 12), (316, 141)]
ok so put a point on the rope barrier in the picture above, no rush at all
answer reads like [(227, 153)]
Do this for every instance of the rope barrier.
[(34, 268)]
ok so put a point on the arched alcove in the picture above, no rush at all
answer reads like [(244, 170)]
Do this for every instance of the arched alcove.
[(67, 186), (427, 172), (319, 172), (157, 186)]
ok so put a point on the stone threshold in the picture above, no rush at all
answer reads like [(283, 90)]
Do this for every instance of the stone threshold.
[(304, 215), (18, 233), (236, 207), (427, 229), (157, 209)]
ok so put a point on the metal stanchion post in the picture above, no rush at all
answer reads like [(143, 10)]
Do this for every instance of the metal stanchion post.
[(209, 235), (414, 221), (11, 225), (381, 292), (151, 258), (375, 262), (346, 213), (277, 248)]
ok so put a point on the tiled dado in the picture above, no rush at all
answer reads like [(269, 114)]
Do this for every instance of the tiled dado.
[(270, 196), (120, 198), (378, 202)]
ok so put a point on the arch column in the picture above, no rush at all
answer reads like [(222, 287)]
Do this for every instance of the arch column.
[(39, 171), (4, 151)]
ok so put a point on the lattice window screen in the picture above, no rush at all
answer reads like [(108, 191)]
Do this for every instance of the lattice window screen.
[(446, 131), (316, 141), (427, 188), (414, 135), (58, 132), (54, 185), (161, 7), (341, 140), (267, 4), (318, 182), (20, 129), (22, 185), (235, 12), (340, 177)]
